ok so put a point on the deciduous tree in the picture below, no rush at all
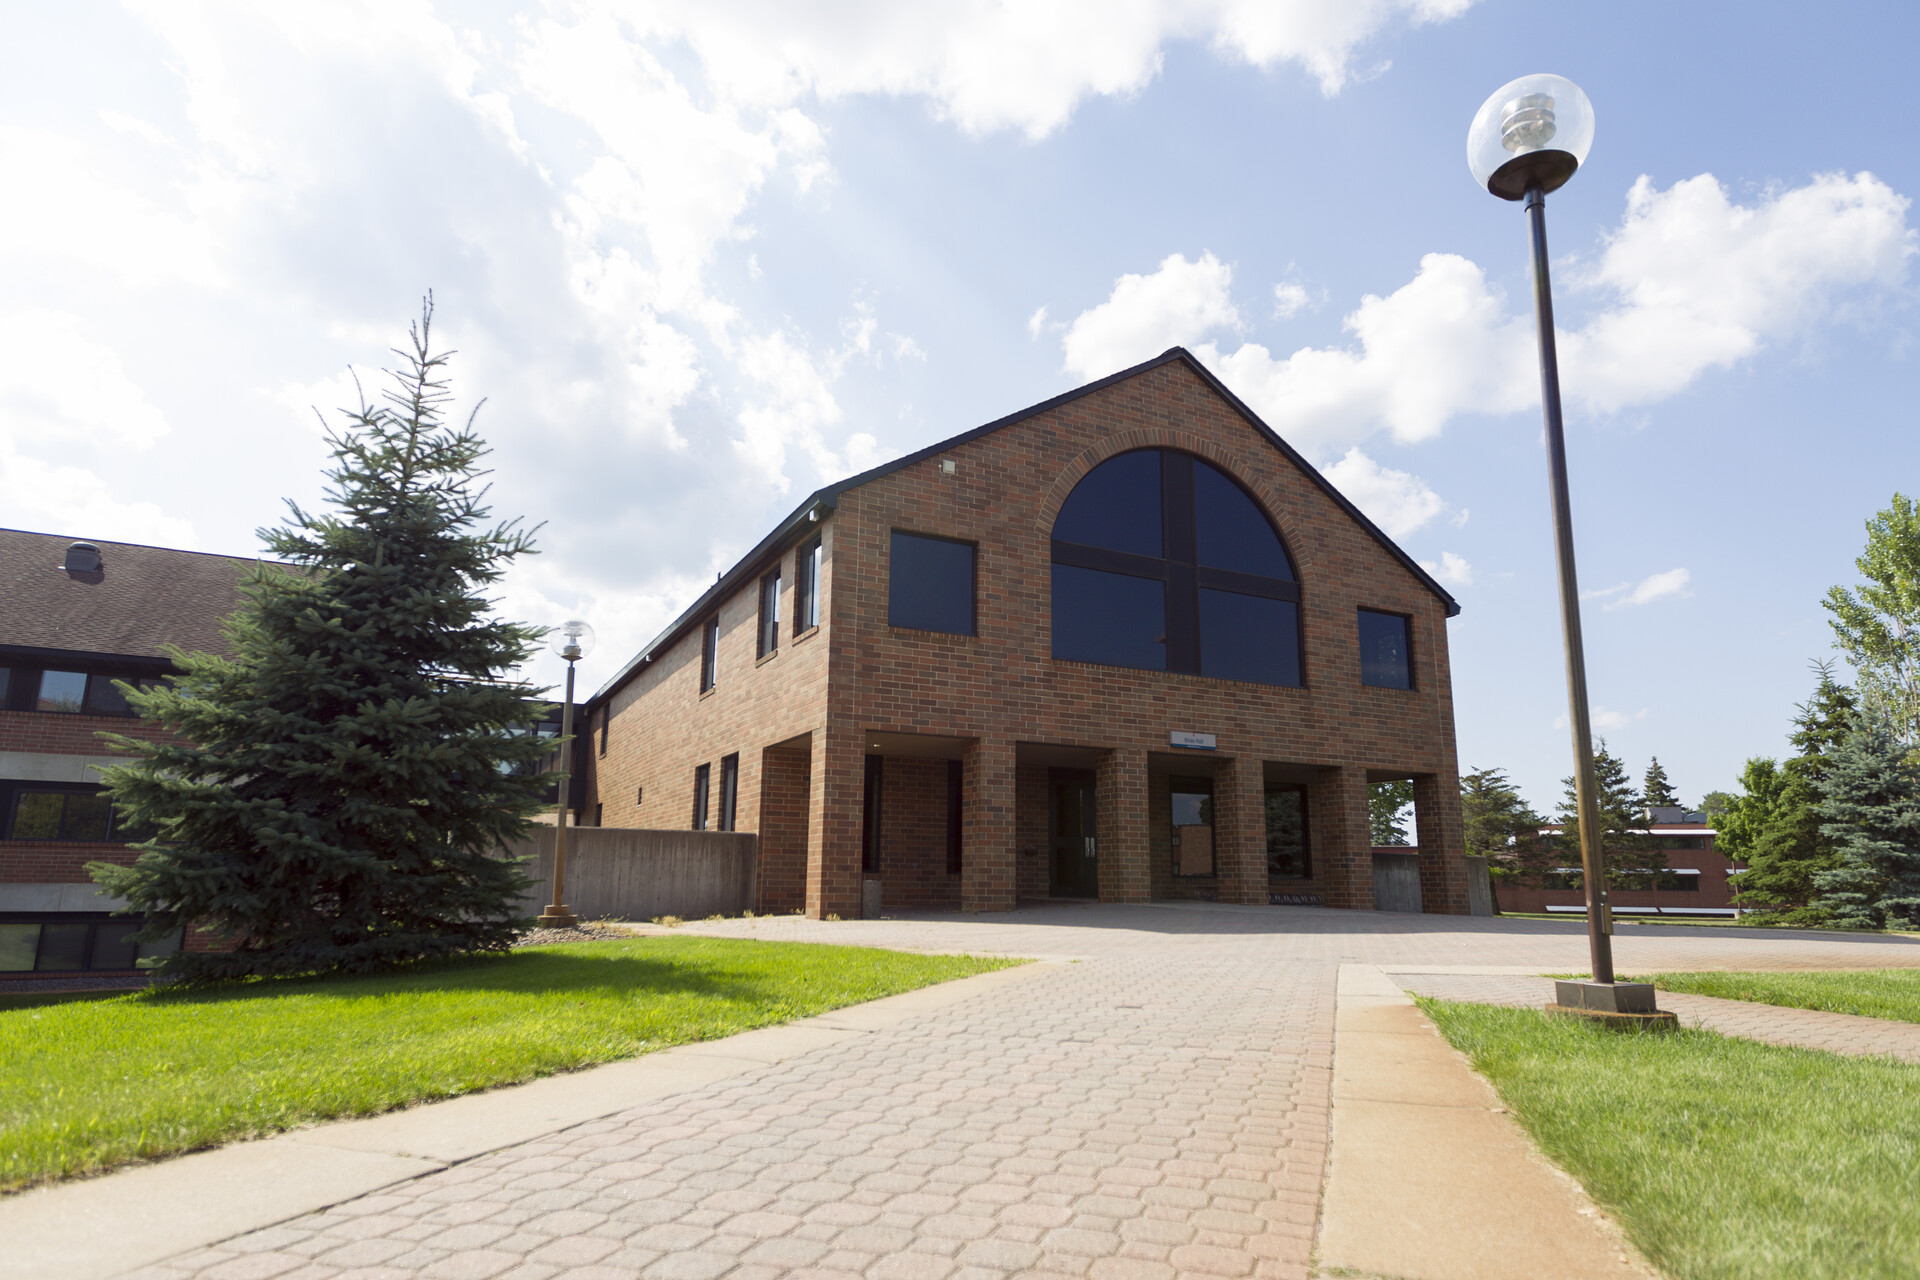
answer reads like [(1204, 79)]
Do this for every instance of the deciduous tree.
[(1878, 627)]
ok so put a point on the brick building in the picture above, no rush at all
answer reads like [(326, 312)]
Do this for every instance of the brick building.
[(1696, 879), (1125, 644), (78, 616)]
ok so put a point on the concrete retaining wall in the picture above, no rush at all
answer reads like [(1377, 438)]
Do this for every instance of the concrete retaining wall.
[(627, 874)]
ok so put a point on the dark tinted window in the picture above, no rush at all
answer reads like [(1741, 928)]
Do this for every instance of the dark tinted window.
[(60, 815), (1117, 506), (104, 698), (709, 654), (806, 586), (930, 584), (870, 816), (1230, 531), (729, 790), (61, 691), (702, 780), (1109, 618), (1287, 852), (1249, 638), (1386, 660), (770, 613)]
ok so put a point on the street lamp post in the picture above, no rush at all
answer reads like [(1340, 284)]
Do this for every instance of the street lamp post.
[(1527, 140), (572, 640)]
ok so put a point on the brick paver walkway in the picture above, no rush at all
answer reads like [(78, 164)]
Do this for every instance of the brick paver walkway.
[(1804, 1028), (1157, 1110)]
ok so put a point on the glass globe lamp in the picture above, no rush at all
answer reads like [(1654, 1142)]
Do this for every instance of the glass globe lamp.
[(572, 640), (1533, 132)]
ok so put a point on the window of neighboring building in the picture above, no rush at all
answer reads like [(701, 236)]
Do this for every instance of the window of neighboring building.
[(702, 776), (870, 817), (729, 789), (955, 773), (1686, 842), (1684, 880), (1163, 562), (770, 613), (710, 653), (36, 811), (1288, 857), (1191, 803), (62, 691), (806, 585), (1386, 657), (930, 584)]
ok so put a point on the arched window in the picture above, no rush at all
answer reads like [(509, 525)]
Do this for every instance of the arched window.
[(1162, 562)]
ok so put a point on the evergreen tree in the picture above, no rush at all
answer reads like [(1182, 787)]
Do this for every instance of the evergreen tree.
[(1503, 828), (1656, 791), (1777, 829), (1870, 798), (1628, 852), (339, 789), (1386, 803)]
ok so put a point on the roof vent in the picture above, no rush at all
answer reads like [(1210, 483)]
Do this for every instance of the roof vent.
[(82, 557)]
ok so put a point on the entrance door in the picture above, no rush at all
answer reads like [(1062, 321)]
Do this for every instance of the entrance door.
[(1075, 861)]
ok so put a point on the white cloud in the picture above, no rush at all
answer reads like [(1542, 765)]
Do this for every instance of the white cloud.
[(65, 499), (1398, 502), (1145, 315), (1289, 300), (1450, 571), (1688, 282), (1658, 586), (1036, 322), (57, 382), (1603, 718)]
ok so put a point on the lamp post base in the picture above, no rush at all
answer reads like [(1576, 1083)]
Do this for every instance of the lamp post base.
[(1613, 1004), (557, 916)]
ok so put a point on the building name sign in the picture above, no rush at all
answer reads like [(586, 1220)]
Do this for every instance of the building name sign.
[(1198, 741)]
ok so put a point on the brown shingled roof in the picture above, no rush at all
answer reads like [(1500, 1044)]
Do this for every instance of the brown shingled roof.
[(142, 597)]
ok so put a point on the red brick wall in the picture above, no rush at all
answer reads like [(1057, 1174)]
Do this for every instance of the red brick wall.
[(913, 835), (780, 884), (63, 861)]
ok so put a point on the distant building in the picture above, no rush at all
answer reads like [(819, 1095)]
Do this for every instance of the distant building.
[(1696, 880), (77, 617)]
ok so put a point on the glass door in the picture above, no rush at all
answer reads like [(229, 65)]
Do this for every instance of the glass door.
[(1073, 824)]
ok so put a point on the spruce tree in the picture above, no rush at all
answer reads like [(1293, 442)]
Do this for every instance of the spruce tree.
[(1628, 852), (1503, 828), (1777, 829), (1870, 798), (1655, 791), (339, 789)]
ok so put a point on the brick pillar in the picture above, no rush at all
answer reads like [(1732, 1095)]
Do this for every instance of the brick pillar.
[(834, 795), (1120, 790), (987, 837), (1240, 831), (780, 879), (1342, 838), (1442, 839)]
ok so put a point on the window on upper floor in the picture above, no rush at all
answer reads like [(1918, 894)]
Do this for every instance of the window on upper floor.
[(930, 584), (52, 811), (710, 653), (606, 718), (806, 585), (64, 692), (1163, 562), (770, 613), (1386, 657)]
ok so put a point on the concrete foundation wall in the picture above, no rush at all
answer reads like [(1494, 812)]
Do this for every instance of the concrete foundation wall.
[(626, 874)]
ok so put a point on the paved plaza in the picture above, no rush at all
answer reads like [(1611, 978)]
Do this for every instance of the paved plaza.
[(1153, 1104)]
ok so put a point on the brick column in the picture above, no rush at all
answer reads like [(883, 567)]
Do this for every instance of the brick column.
[(1240, 831), (834, 794), (1120, 790), (987, 838), (1442, 839), (1342, 839)]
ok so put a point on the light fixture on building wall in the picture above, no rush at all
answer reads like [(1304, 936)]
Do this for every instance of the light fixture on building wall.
[(572, 640), (1525, 141)]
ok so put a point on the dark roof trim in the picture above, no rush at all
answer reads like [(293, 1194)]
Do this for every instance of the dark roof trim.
[(827, 498), (27, 653)]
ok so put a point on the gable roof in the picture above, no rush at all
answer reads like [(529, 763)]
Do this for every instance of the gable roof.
[(825, 499), (141, 598)]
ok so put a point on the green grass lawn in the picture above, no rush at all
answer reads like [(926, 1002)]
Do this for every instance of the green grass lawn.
[(1721, 1157), (87, 1085), (1873, 993)]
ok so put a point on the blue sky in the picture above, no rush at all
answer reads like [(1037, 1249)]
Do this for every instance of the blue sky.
[(703, 257)]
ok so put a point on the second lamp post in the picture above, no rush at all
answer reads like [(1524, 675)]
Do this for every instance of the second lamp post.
[(572, 640)]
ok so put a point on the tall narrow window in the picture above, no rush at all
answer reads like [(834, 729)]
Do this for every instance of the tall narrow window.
[(870, 826), (729, 789), (1386, 660), (1162, 562), (930, 584), (710, 653), (1288, 857), (702, 777), (770, 613), (806, 586), (954, 792), (606, 714)]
